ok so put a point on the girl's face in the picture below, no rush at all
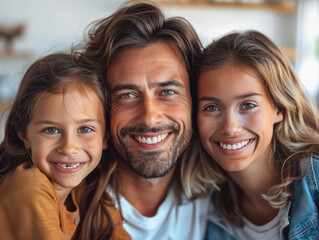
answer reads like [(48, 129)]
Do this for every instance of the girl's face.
[(235, 117), (66, 136)]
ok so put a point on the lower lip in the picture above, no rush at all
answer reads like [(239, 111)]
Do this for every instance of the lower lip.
[(68, 170), (154, 146), (234, 151)]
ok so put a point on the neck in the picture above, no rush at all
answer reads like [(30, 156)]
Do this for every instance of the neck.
[(255, 181), (146, 195), (62, 192)]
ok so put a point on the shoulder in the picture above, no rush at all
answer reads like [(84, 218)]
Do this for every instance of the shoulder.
[(311, 177), (313, 169), (26, 180)]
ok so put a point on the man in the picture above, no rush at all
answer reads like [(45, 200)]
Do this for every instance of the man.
[(149, 66)]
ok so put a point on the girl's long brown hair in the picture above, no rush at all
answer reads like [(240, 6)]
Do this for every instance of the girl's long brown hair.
[(54, 73)]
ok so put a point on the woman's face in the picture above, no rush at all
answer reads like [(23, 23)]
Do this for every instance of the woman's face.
[(235, 117)]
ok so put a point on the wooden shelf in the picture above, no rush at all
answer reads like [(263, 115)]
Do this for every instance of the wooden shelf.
[(4, 106), (15, 54), (283, 6)]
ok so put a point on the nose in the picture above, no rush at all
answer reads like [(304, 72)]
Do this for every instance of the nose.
[(150, 112), (231, 124), (68, 144)]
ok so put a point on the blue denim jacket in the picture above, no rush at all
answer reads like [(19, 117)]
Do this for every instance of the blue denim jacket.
[(302, 221)]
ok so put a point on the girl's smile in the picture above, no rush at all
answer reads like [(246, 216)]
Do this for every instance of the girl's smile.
[(66, 135), (235, 116)]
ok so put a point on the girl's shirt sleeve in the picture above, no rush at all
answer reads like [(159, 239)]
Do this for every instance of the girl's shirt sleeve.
[(30, 208)]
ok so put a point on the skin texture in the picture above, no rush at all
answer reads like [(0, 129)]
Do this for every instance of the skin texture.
[(150, 100), (66, 128), (234, 108)]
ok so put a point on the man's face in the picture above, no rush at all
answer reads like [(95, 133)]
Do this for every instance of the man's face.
[(150, 108)]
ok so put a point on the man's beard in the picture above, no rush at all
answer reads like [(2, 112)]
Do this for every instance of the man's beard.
[(152, 164)]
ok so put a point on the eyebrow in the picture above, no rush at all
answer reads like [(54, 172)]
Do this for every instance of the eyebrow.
[(168, 83), (120, 87), (207, 98), (83, 121)]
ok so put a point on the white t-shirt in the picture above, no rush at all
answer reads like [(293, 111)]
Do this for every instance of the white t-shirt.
[(172, 220), (268, 231)]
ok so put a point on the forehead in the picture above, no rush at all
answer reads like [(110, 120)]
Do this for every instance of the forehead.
[(232, 78), (74, 96), (155, 62)]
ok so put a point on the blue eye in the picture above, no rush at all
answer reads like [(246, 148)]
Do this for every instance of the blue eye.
[(51, 130), (127, 95), (247, 106), (211, 108), (168, 92), (85, 130)]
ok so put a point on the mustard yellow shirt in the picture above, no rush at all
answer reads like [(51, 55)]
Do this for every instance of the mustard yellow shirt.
[(30, 208)]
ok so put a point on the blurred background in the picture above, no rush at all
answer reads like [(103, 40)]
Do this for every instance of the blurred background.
[(34, 28)]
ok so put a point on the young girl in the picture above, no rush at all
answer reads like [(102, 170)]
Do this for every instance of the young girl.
[(54, 137), (262, 134)]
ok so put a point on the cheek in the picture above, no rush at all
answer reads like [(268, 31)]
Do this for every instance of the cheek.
[(260, 124), (116, 122), (263, 128), (40, 147), (40, 154), (206, 130), (207, 125), (120, 117), (181, 112), (91, 148)]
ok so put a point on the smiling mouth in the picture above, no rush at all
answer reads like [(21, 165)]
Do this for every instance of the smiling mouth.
[(151, 140), (68, 166), (235, 146)]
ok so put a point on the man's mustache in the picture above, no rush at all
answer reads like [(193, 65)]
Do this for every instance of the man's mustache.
[(174, 127)]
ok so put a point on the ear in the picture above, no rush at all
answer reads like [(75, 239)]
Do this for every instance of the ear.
[(23, 137), (278, 117)]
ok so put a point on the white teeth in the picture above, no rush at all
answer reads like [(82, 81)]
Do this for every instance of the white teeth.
[(68, 165), (234, 146), (152, 140)]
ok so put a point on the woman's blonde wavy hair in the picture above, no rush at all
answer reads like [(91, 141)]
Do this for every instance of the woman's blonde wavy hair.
[(295, 139)]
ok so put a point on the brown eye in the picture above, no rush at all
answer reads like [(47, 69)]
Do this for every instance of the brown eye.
[(85, 130), (211, 108), (51, 130)]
